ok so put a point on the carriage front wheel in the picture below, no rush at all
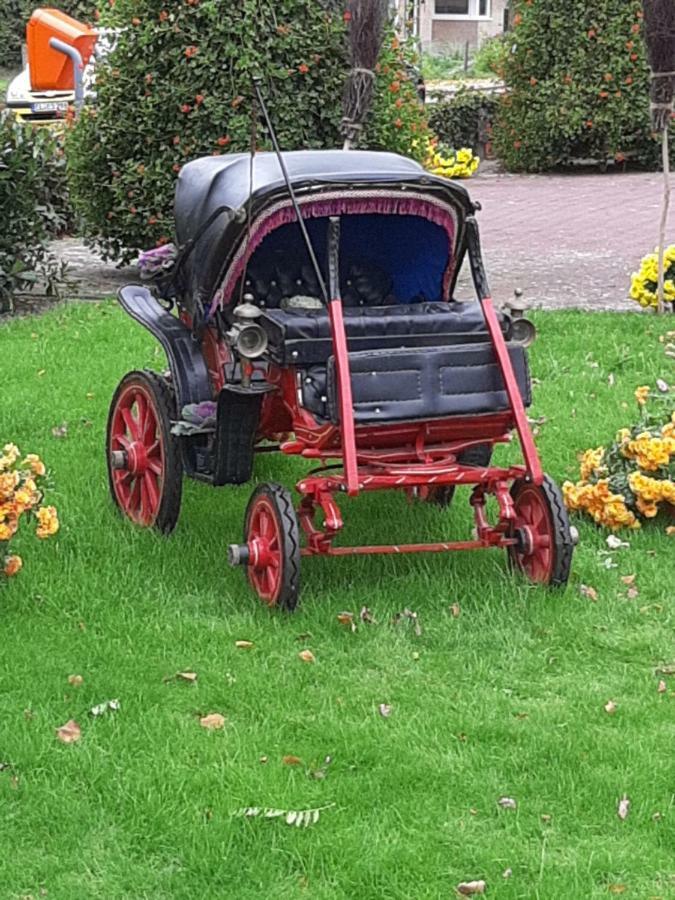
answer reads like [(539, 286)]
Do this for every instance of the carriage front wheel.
[(272, 546), (545, 541), (145, 472)]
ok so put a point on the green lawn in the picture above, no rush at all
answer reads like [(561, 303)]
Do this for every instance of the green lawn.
[(505, 700)]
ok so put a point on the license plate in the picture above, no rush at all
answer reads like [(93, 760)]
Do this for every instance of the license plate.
[(49, 107)]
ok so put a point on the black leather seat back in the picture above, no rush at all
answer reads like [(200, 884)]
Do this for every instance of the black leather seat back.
[(423, 384)]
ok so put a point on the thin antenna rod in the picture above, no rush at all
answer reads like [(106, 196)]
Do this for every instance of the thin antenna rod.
[(282, 165)]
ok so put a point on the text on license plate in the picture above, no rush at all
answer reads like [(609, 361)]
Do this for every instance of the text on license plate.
[(49, 107)]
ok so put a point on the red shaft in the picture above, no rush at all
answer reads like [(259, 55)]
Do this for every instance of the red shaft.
[(344, 396), (513, 391)]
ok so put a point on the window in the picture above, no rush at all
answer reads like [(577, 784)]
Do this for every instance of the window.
[(452, 7), (473, 9)]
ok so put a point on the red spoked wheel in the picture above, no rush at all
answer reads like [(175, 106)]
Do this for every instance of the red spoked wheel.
[(272, 539), (542, 528), (144, 466)]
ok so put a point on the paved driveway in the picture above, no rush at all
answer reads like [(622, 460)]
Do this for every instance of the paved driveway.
[(568, 240)]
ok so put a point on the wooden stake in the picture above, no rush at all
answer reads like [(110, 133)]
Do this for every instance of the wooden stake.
[(661, 307)]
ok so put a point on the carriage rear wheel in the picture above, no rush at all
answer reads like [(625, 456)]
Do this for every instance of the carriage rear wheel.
[(145, 472), (273, 538), (478, 456), (545, 540)]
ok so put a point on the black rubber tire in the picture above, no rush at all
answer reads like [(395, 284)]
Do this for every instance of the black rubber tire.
[(238, 418), (479, 456), (281, 501), (164, 402), (561, 534)]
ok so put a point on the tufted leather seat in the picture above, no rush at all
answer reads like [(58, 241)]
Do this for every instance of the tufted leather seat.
[(303, 336)]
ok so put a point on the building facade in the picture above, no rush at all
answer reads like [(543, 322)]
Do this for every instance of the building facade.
[(456, 23)]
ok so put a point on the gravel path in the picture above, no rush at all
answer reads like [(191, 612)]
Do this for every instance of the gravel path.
[(567, 241)]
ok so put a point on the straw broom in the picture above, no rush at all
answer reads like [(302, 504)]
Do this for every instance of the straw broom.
[(660, 37), (367, 20)]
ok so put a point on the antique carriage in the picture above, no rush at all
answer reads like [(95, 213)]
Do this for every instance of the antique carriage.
[(309, 310)]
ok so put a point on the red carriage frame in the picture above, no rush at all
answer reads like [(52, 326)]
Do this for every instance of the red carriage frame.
[(420, 457)]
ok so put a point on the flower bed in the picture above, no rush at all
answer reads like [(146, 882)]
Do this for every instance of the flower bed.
[(21, 494), (644, 285), (632, 480)]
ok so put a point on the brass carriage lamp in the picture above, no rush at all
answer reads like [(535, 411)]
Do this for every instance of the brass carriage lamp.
[(246, 335), (522, 330)]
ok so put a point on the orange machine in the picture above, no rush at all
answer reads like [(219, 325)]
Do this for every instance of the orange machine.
[(50, 70)]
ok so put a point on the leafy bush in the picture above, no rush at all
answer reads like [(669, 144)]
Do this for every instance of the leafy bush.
[(31, 202), (465, 120), (178, 86), (398, 121), (578, 82), (15, 16)]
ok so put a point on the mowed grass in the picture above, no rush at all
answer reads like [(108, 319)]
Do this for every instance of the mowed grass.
[(505, 700)]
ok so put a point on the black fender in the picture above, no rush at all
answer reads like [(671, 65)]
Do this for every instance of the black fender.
[(188, 368)]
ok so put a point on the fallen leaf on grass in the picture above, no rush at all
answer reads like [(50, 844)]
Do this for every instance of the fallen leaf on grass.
[(320, 773), (628, 579), (301, 818), (623, 808), (670, 531), (212, 722), (244, 645), (632, 592), (455, 611), (662, 385), (307, 656), (411, 616), (69, 733), (75, 680), (347, 619), (590, 592), (610, 707), (546, 818), (101, 708), (668, 669), (507, 873), (60, 431), (617, 888), (367, 617), (385, 710), (507, 803), (263, 760), (662, 687), (291, 761), (191, 677), (615, 543), (467, 888)]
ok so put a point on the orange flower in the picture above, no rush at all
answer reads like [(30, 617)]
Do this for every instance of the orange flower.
[(303, 68), (190, 52)]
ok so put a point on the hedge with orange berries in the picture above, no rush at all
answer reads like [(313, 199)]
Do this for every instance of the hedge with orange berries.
[(578, 84), (178, 86)]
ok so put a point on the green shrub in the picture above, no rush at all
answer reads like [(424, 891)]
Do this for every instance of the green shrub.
[(15, 16), (31, 200), (577, 81), (465, 120), (398, 120), (178, 86)]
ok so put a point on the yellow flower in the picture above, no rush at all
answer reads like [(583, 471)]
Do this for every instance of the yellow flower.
[(48, 522), (35, 464), (641, 394), (591, 462), (13, 565)]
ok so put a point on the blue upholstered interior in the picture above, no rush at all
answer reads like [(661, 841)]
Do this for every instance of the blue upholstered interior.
[(412, 250)]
